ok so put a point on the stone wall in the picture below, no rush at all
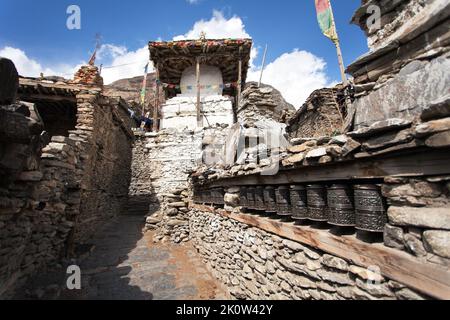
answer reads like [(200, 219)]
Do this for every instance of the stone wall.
[(104, 130), (263, 104), (419, 217), (407, 73), (321, 115), (254, 264), (56, 193)]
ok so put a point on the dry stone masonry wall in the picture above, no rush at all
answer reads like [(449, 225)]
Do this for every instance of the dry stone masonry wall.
[(254, 264), (55, 192)]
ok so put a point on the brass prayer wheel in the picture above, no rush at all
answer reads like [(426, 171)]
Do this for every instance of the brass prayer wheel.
[(341, 208), (259, 199), (370, 208), (243, 197), (283, 201), (299, 203), (251, 198), (270, 199), (317, 203)]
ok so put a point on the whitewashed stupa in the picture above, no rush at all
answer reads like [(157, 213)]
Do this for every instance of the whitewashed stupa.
[(220, 69)]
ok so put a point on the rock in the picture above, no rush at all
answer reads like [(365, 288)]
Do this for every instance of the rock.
[(366, 274), (393, 237), (177, 204), (440, 140), (434, 218), (407, 294), (316, 153), (350, 147), (232, 200), (335, 277), (396, 99), (294, 246), (380, 127), (339, 140), (298, 158), (334, 262), (438, 242), (172, 212), (176, 223), (389, 140), (334, 151), (151, 220), (32, 176), (9, 81), (298, 149), (325, 159), (439, 108), (434, 126), (415, 246)]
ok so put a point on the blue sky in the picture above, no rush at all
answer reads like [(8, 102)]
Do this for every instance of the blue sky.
[(37, 32)]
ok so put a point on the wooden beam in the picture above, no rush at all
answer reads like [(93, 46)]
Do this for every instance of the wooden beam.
[(44, 97), (199, 107), (156, 105), (239, 85), (413, 163), (430, 279)]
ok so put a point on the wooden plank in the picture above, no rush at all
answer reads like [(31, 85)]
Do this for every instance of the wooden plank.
[(419, 162), (44, 97), (430, 279)]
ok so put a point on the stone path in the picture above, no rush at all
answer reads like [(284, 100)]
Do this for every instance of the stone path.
[(126, 265)]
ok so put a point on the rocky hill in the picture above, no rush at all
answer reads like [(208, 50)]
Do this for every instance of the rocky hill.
[(129, 89)]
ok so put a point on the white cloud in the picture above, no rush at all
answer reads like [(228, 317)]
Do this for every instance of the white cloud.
[(122, 63), (295, 74), (29, 67), (192, 1), (218, 27)]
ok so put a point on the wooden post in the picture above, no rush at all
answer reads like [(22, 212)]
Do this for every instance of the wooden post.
[(199, 107), (157, 101), (239, 84), (341, 63)]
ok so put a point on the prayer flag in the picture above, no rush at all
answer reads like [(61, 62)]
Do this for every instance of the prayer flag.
[(326, 19)]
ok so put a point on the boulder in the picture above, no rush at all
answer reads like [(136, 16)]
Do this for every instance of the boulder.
[(438, 242), (439, 108), (434, 218), (9, 81)]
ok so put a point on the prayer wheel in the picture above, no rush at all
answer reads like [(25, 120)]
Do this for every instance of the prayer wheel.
[(243, 197), (283, 201), (270, 199), (251, 198), (370, 208), (259, 199), (341, 208), (317, 203), (219, 197), (299, 203)]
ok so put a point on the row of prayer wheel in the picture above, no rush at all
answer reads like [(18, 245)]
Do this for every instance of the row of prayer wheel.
[(213, 196), (361, 206)]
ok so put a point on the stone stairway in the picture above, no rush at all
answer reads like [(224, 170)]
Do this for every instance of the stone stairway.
[(137, 206)]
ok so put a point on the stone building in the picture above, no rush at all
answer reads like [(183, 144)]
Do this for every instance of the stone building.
[(361, 214), (65, 160)]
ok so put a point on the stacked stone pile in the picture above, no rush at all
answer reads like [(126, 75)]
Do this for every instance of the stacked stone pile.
[(263, 104), (172, 221), (322, 114), (394, 15), (88, 75)]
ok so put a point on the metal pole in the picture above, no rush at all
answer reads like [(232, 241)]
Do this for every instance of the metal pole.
[(156, 107), (263, 65)]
